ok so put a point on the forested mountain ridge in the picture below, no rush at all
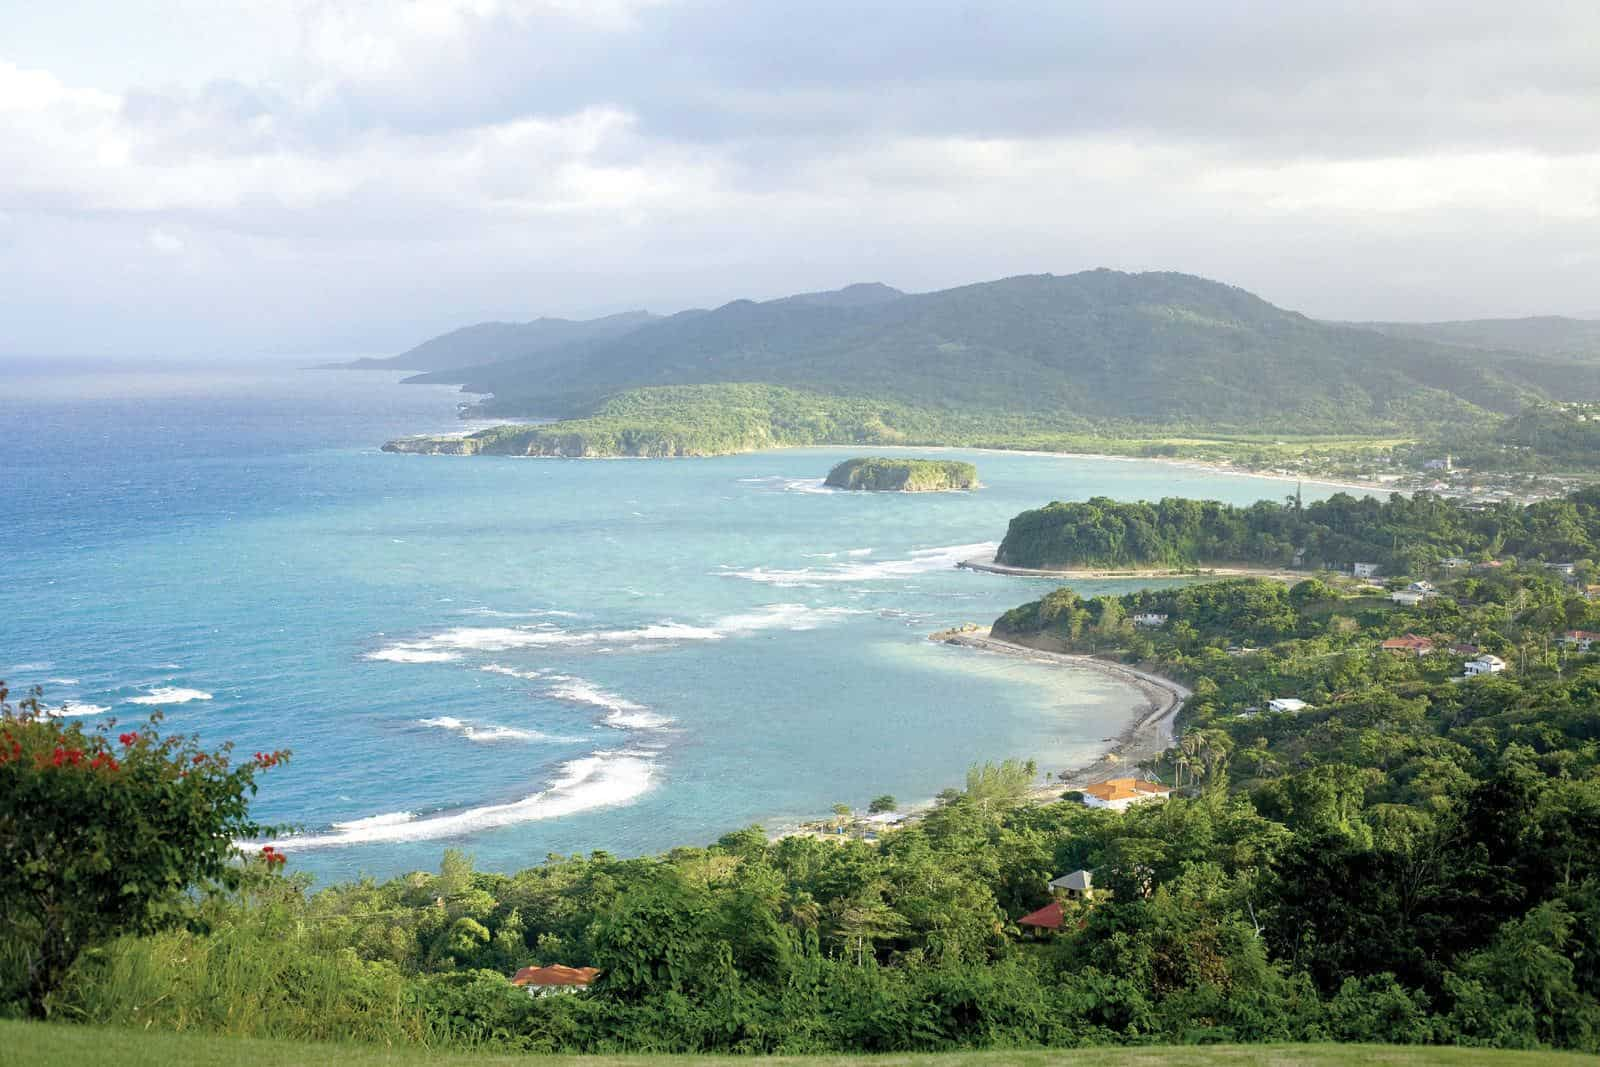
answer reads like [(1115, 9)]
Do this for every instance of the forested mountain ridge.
[(492, 342), (1158, 348), (1551, 335)]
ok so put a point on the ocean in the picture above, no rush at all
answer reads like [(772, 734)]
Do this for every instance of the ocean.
[(518, 657)]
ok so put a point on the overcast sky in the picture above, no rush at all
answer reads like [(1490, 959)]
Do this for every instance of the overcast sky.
[(220, 176)]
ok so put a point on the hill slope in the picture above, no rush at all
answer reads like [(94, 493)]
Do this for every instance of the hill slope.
[(1550, 335), (492, 342), (1156, 348)]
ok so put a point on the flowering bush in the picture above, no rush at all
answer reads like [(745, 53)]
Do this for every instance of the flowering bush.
[(102, 835)]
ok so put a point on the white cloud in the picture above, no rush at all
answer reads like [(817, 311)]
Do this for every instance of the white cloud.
[(163, 242)]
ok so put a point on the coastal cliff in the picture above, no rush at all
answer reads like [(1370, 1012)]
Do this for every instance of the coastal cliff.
[(877, 474)]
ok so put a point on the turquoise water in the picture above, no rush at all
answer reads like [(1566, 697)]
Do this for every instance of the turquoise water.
[(514, 656)]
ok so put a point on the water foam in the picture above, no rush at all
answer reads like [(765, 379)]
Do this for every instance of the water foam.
[(169, 694), (489, 732), (621, 713), (511, 672), (61, 681), (73, 709), (920, 561), (599, 780), (412, 654)]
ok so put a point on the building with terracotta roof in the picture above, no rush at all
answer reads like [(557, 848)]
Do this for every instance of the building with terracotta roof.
[(554, 978), (1119, 794), (1409, 645), (1582, 640), (1050, 917)]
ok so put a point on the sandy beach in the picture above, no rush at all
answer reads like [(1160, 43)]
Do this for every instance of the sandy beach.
[(1150, 728)]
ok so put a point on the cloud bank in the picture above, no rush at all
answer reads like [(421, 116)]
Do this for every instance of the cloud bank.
[(322, 176)]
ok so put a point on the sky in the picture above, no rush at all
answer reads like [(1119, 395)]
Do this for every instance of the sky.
[(221, 178)]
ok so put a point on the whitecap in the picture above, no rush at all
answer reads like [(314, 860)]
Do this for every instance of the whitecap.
[(61, 681), (511, 672), (74, 709), (600, 780), (921, 561), (412, 654), (621, 713), (31, 667), (168, 694), (392, 818), (782, 617), (489, 732)]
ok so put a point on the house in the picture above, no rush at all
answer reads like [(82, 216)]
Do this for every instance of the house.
[(1452, 563), (1485, 664), (1566, 569), (1364, 570), (1289, 704), (1591, 592), (555, 978), (1149, 618), (1407, 598), (1079, 885), (1489, 565), (1119, 794), (1409, 645), (1466, 650), (1424, 587), (1048, 918), (1582, 640)]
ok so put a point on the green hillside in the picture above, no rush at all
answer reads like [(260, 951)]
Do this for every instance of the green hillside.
[(1157, 348), (492, 342), (881, 474), (1551, 335), (70, 1046)]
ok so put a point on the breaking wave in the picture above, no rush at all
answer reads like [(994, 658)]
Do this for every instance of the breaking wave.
[(168, 694), (488, 732), (921, 561), (73, 709), (510, 672), (599, 780), (451, 644), (621, 713)]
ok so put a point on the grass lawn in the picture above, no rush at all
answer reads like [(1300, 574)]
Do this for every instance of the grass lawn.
[(44, 1045)]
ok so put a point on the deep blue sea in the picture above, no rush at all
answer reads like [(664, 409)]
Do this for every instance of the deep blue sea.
[(514, 656)]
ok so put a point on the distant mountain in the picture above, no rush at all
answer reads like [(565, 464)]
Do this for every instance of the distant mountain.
[(1156, 348), (492, 342), (1550, 335), (861, 294)]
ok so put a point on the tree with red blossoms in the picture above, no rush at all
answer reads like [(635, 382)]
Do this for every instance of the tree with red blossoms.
[(104, 835)]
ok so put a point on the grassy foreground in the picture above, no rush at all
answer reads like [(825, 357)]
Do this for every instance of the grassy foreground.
[(43, 1045)]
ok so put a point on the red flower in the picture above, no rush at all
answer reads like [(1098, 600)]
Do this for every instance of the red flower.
[(60, 756), (128, 739), (200, 758)]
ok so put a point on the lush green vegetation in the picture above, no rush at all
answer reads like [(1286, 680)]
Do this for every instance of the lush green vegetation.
[(1161, 349), (701, 420), (103, 836), (1400, 534), (1410, 859), (69, 1046), (879, 474), (494, 342), (1551, 335)]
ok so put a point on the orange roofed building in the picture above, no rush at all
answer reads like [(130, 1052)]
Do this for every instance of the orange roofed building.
[(542, 981), (1049, 917), (1120, 793)]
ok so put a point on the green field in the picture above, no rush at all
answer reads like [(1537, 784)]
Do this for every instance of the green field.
[(41, 1045)]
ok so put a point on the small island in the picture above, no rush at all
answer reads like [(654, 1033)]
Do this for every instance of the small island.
[(882, 475)]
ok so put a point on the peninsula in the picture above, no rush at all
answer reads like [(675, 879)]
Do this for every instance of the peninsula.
[(879, 474)]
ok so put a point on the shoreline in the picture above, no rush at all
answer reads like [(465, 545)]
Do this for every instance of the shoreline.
[(1149, 731), (1082, 574)]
